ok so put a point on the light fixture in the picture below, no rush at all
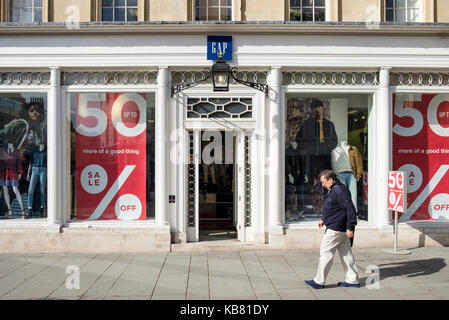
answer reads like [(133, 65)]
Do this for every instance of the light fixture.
[(221, 73)]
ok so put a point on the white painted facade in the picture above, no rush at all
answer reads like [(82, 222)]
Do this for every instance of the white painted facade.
[(273, 49)]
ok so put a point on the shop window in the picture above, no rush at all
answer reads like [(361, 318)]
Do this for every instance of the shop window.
[(325, 131), (119, 10), (23, 155), (111, 156), (25, 11), (420, 131), (307, 10), (403, 10), (213, 10)]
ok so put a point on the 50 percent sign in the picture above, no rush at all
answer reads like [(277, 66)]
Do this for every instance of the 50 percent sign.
[(425, 193), (395, 201), (112, 192)]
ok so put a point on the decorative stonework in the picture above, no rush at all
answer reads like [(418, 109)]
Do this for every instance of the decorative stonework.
[(24, 78), (307, 78), (110, 78)]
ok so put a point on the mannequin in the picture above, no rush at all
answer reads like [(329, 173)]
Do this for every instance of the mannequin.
[(341, 164), (10, 174), (37, 171)]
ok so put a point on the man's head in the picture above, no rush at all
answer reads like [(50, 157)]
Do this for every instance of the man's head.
[(317, 108), (327, 178)]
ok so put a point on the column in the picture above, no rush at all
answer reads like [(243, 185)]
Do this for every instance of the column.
[(162, 143), (383, 154), (274, 141), (54, 149)]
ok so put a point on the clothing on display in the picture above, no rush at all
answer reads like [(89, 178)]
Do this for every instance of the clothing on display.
[(38, 173), (10, 171), (10, 167), (348, 165)]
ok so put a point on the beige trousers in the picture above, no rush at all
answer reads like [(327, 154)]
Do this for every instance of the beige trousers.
[(333, 241)]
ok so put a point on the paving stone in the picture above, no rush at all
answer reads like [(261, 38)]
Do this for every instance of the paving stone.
[(177, 264), (333, 293), (168, 297), (264, 296), (262, 283), (49, 279), (171, 284), (198, 293), (283, 280), (33, 266), (89, 274), (275, 264), (296, 294), (106, 281)]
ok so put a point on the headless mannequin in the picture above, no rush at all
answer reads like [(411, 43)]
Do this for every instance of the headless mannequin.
[(15, 189), (341, 164), (340, 158)]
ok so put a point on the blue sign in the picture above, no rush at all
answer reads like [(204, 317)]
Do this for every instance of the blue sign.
[(219, 44)]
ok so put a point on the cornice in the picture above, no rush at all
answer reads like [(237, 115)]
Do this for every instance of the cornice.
[(235, 28)]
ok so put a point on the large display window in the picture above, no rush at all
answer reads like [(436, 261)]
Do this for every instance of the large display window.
[(23, 155), (325, 131), (420, 134), (111, 156)]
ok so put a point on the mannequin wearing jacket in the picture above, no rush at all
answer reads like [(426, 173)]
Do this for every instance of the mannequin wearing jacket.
[(347, 163), (10, 173)]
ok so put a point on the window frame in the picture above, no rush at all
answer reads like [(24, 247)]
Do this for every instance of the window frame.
[(113, 7), (290, 7), (406, 9), (207, 7), (9, 8)]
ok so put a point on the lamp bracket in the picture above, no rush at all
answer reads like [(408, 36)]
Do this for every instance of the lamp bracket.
[(255, 85), (180, 87)]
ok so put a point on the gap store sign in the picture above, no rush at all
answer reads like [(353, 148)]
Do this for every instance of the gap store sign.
[(219, 44)]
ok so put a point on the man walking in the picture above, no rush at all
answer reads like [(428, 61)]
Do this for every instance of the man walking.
[(339, 218)]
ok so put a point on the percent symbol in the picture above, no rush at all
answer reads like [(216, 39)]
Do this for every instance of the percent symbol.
[(112, 192)]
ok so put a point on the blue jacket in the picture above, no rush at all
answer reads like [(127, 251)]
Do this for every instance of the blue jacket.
[(338, 210)]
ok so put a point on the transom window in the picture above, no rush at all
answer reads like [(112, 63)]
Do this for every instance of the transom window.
[(119, 10), (403, 10), (25, 11), (213, 10), (307, 10)]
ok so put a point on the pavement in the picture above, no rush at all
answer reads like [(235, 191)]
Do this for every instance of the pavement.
[(239, 275)]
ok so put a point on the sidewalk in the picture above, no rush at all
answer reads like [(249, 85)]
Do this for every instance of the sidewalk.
[(266, 275)]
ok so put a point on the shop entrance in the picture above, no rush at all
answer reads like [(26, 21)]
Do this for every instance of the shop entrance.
[(217, 178), (217, 187)]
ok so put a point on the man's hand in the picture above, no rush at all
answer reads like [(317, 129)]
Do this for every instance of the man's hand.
[(320, 224), (349, 234)]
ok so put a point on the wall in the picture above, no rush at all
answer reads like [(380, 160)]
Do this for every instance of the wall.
[(442, 11), (168, 10), (260, 10), (58, 10), (360, 11)]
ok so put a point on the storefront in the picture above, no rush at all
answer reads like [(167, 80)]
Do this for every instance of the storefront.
[(99, 154)]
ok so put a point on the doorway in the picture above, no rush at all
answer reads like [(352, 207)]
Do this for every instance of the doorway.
[(218, 185)]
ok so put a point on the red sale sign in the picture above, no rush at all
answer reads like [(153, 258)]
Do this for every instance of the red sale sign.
[(420, 136), (397, 195), (110, 156)]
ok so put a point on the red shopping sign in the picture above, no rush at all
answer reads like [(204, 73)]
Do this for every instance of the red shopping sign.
[(397, 191)]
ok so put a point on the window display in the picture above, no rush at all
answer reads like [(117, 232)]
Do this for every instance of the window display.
[(324, 132), (112, 156), (23, 155)]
